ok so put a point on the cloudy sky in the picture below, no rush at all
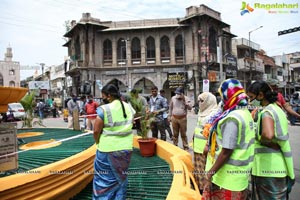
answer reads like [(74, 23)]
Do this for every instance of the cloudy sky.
[(35, 28)]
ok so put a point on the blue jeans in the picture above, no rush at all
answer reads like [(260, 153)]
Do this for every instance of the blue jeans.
[(293, 118), (41, 113)]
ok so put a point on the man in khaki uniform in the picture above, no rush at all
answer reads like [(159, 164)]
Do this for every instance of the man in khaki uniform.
[(179, 106)]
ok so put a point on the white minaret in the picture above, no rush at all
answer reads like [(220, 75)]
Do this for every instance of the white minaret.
[(8, 55)]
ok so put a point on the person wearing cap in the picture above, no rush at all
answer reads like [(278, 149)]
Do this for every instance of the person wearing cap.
[(179, 106), (280, 99)]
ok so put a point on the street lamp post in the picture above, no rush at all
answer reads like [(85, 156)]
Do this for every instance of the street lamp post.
[(126, 62), (250, 49), (42, 68), (221, 57)]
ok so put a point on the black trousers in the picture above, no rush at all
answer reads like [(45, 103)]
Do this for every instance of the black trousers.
[(158, 125)]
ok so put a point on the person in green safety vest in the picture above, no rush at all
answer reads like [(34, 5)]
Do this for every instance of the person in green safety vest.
[(231, 146), (273, 173), (114, 139), (207, 107)]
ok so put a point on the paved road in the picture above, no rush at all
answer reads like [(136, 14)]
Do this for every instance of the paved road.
[(192, 119)]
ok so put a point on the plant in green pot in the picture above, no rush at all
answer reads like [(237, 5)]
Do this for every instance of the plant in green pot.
[(147, 145), (139, 105)]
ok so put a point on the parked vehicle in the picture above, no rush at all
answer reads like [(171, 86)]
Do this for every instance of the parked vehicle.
[(16, 111)]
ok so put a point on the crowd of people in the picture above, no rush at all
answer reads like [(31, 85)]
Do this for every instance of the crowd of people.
[(167, 114), (233, 145), (48, 108), (240, 140)]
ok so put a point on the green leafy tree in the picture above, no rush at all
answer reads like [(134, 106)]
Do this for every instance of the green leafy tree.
[(29, 104), (67, 25)]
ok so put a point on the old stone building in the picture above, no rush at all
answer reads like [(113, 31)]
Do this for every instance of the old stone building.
[(9, 70), (152, 52)]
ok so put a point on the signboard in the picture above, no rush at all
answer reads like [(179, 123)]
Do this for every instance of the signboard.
[(43, 91), (231, 69), (8, 145), (231, 72), (213, 76), (176, 80), (35, 85), (69, 81), (205, 87)]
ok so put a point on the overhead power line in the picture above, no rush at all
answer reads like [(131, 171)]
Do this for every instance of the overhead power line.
[(27, 26), (21, 19)]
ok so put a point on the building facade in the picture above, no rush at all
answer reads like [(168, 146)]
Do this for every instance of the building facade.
[(250, 66), (144, 53), (9, 70), (57, 84), (294, 69)]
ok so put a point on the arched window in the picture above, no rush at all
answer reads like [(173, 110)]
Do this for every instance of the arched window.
[(77, 49), (107, 51), (12, 84), (1, 80), (179, 50), (150, 45), (212, 39), (165, 48), (227, 49), (121, 51), (136, 49), (12, 72), (200, 53)]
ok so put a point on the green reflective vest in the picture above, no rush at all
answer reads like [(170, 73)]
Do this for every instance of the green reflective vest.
[(234, 174), (200, 141), (117, 132), (269, 162)]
